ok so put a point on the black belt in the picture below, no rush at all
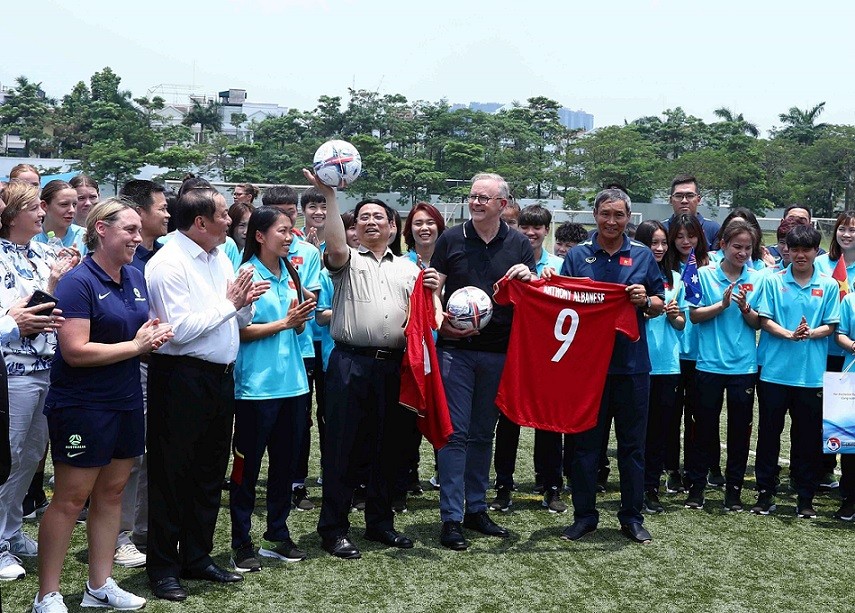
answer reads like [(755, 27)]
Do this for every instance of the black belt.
[(186, 360), (378, 353)]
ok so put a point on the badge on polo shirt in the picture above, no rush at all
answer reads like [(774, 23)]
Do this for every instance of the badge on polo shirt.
[(591, 259), (816, 292), (624, 261), (297, 260), (747, 287)]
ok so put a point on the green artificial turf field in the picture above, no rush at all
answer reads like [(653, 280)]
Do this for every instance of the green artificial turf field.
[(705, 560)]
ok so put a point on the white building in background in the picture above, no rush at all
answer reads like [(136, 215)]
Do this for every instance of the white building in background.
[(572, 120), (231, 102)]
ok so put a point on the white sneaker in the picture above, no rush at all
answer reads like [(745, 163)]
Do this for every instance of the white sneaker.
[(51, 603), (111, 596), (129, 556), (22, 544), (10, 565)]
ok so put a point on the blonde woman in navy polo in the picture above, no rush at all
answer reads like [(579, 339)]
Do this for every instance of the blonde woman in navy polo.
[(94, 406)]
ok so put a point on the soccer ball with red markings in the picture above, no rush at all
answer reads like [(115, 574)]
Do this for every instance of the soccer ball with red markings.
[(469, 308), (337, 163)]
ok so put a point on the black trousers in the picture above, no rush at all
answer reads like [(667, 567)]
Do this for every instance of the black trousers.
[(664, 411), (364, 422), (190, 413), (547, 454)]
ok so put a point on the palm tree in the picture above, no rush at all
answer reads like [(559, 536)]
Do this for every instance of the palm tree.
[(745, 127), (207, 116), (800, 124)]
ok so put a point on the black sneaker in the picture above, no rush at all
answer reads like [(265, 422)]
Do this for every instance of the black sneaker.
[(674, 482), (733, 499), (415, 487), (846, 512), (804, 508), (695, 500), (244, 560), (538, 488), (399, 503), (715, 478), (285, 550), (301, 499), (552, 500), (651, 502), (360, 494), (32, 508), (765, 503), (502, 501), (829, 481)]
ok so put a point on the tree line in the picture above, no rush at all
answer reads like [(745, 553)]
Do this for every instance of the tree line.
[(419, 148)]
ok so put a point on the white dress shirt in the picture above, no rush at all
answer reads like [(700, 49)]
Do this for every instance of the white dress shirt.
[(187, 288)]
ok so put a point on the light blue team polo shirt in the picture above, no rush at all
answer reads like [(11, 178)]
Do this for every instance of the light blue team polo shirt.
[(689, 336), (847, 326), (784, 301), (826, 265), (726, 344), (306, 258), (74, 237), (663, 340), (271, 367), (547, 259), (763, 341), (325, 300)]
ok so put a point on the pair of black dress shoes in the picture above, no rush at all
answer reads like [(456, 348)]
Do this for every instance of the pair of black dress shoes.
[(170, 588)]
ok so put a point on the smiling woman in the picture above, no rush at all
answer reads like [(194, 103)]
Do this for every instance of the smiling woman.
[(59, 201)]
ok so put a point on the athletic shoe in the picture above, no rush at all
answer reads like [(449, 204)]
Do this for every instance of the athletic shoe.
[(804, 508), (244, 560), (22, 544), (399, 503), (51, 603), (674, 482), (111, 596), (301, 499), (502, 501), (651, 502), (538, 488), (765, 503), (695, 500), (320, 480), (10, 565), (829, 482), (129, 556), (83, 516), (360, 494), (846, 512), (434, 481), (32, 509), (416, 487), (715, 478), (285, 550), (552, 501), (733, 499)]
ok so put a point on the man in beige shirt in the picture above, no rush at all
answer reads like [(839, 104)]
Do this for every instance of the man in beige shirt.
[(364, 421)]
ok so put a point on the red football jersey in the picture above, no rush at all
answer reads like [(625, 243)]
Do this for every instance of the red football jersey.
[(562, 338)]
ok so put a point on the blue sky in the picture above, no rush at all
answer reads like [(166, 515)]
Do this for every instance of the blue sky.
[(616, 59)]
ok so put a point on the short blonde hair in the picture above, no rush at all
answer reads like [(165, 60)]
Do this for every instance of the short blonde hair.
[(17, 196), (107, 211)]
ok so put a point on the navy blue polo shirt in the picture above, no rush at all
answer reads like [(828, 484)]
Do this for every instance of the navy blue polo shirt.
[(463, 257), (143, 255), (115, 311), (709, 226), (633, 263)]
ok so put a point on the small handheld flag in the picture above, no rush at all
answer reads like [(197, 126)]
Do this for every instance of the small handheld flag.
[(691, 280), (839, 275)]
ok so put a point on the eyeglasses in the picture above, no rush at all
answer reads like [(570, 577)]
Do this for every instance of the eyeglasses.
[(680, 196), (481, 198)]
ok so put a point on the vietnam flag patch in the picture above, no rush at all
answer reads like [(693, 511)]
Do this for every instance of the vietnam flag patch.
[(816, 292), (626, 261)]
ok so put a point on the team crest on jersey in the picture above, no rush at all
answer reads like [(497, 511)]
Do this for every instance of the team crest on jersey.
[(816, 292), (746, 287), (625, 261), (591, 259), (297, 260)]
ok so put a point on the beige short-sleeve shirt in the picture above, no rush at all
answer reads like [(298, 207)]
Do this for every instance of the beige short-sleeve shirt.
[(371, 299)]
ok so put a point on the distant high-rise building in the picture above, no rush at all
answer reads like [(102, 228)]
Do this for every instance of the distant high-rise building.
[(576, 120), (573, 120)]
